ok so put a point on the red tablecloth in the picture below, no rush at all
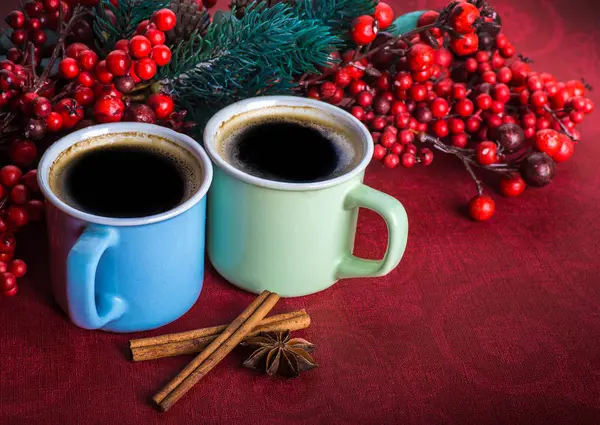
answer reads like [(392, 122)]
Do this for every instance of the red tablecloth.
[(481, 323)]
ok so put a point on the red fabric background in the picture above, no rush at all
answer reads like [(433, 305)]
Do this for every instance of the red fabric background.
[(481, 323)]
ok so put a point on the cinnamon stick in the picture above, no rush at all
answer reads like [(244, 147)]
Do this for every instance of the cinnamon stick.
[(215, 351), (194, 341)]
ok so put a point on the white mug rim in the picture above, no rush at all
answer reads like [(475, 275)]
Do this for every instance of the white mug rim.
[(71, 139), (247, 105)]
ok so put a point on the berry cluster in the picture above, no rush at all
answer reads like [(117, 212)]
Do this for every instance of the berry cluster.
[(455, 84), (21, 203), (102, 84), (78, 87)]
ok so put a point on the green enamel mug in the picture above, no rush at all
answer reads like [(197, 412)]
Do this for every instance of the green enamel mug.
[(294, 238)]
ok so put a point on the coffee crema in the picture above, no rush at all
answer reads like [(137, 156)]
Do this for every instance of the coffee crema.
[(125, 175), (288, 144)]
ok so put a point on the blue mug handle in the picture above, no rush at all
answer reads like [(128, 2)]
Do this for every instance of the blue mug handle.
[(82, 264)]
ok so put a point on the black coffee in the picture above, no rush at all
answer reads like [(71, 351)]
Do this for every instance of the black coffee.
[(289, 149), (123, 180)]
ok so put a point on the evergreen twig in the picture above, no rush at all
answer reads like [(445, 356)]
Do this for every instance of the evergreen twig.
[(258, 54), (128, 15)]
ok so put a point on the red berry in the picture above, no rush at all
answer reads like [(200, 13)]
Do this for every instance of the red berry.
[(405, 137), (145, 69), (70, 111), (589, 106), (439, 107), (118, 62), (384, 15), (418, 92), (408, 160), (18, 268), (403, 81), (84, 96), (35, 209), (460, 140), (19, 194), (327, 90), (74, 50), (379, 152), (3, 267), (402, 120), (504, 75), (164, 19), (426, 156), (102, 73), (68, 68), (391, 160), (15, 19), (421, 57), (459, 91), (41, 107), (566, 150), (465, 46), (23, 153), (397, 149), (387, 139), (18, 37), (481, 208), (364, 30), (508, 51), (313, 93), (487, 153), (142, 26), (464, 107), (422, 76), (8, 243), (51, 5), (54, 122), (85, 79), (471, 65), (38, 38), (139, 46), (463, 16), (357, 86), (30, 180), (378, 123), (161, 54), (472, 124), (512, 186), (161, 104), (364, 99), (501, 93), (108, 109), (156, 37), (337, 97), (358, 112), (548, 141), (440, 128), (8, 281), (10, 175), (123, 44), (456, 125), (17, 215), (538, 99), (12, 292)]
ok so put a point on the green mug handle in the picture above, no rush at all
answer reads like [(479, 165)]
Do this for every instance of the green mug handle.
[(395, 217)]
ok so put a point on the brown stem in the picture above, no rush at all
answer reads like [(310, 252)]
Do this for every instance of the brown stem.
[(32, 60), (562, 125), (473, 176), (77, 14)]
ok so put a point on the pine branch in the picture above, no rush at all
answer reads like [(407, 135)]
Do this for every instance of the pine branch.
[(239, 58), (336, 14), (128, 15)]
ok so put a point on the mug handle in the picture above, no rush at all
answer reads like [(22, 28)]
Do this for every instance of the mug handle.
[(82, 264), (395, 217)]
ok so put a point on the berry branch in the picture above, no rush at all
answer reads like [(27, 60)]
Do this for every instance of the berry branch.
[(456, 83)]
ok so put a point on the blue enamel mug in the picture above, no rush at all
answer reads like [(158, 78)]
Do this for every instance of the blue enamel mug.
[(126, 274)]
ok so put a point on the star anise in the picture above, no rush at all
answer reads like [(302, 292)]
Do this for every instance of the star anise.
[(277, 354)]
